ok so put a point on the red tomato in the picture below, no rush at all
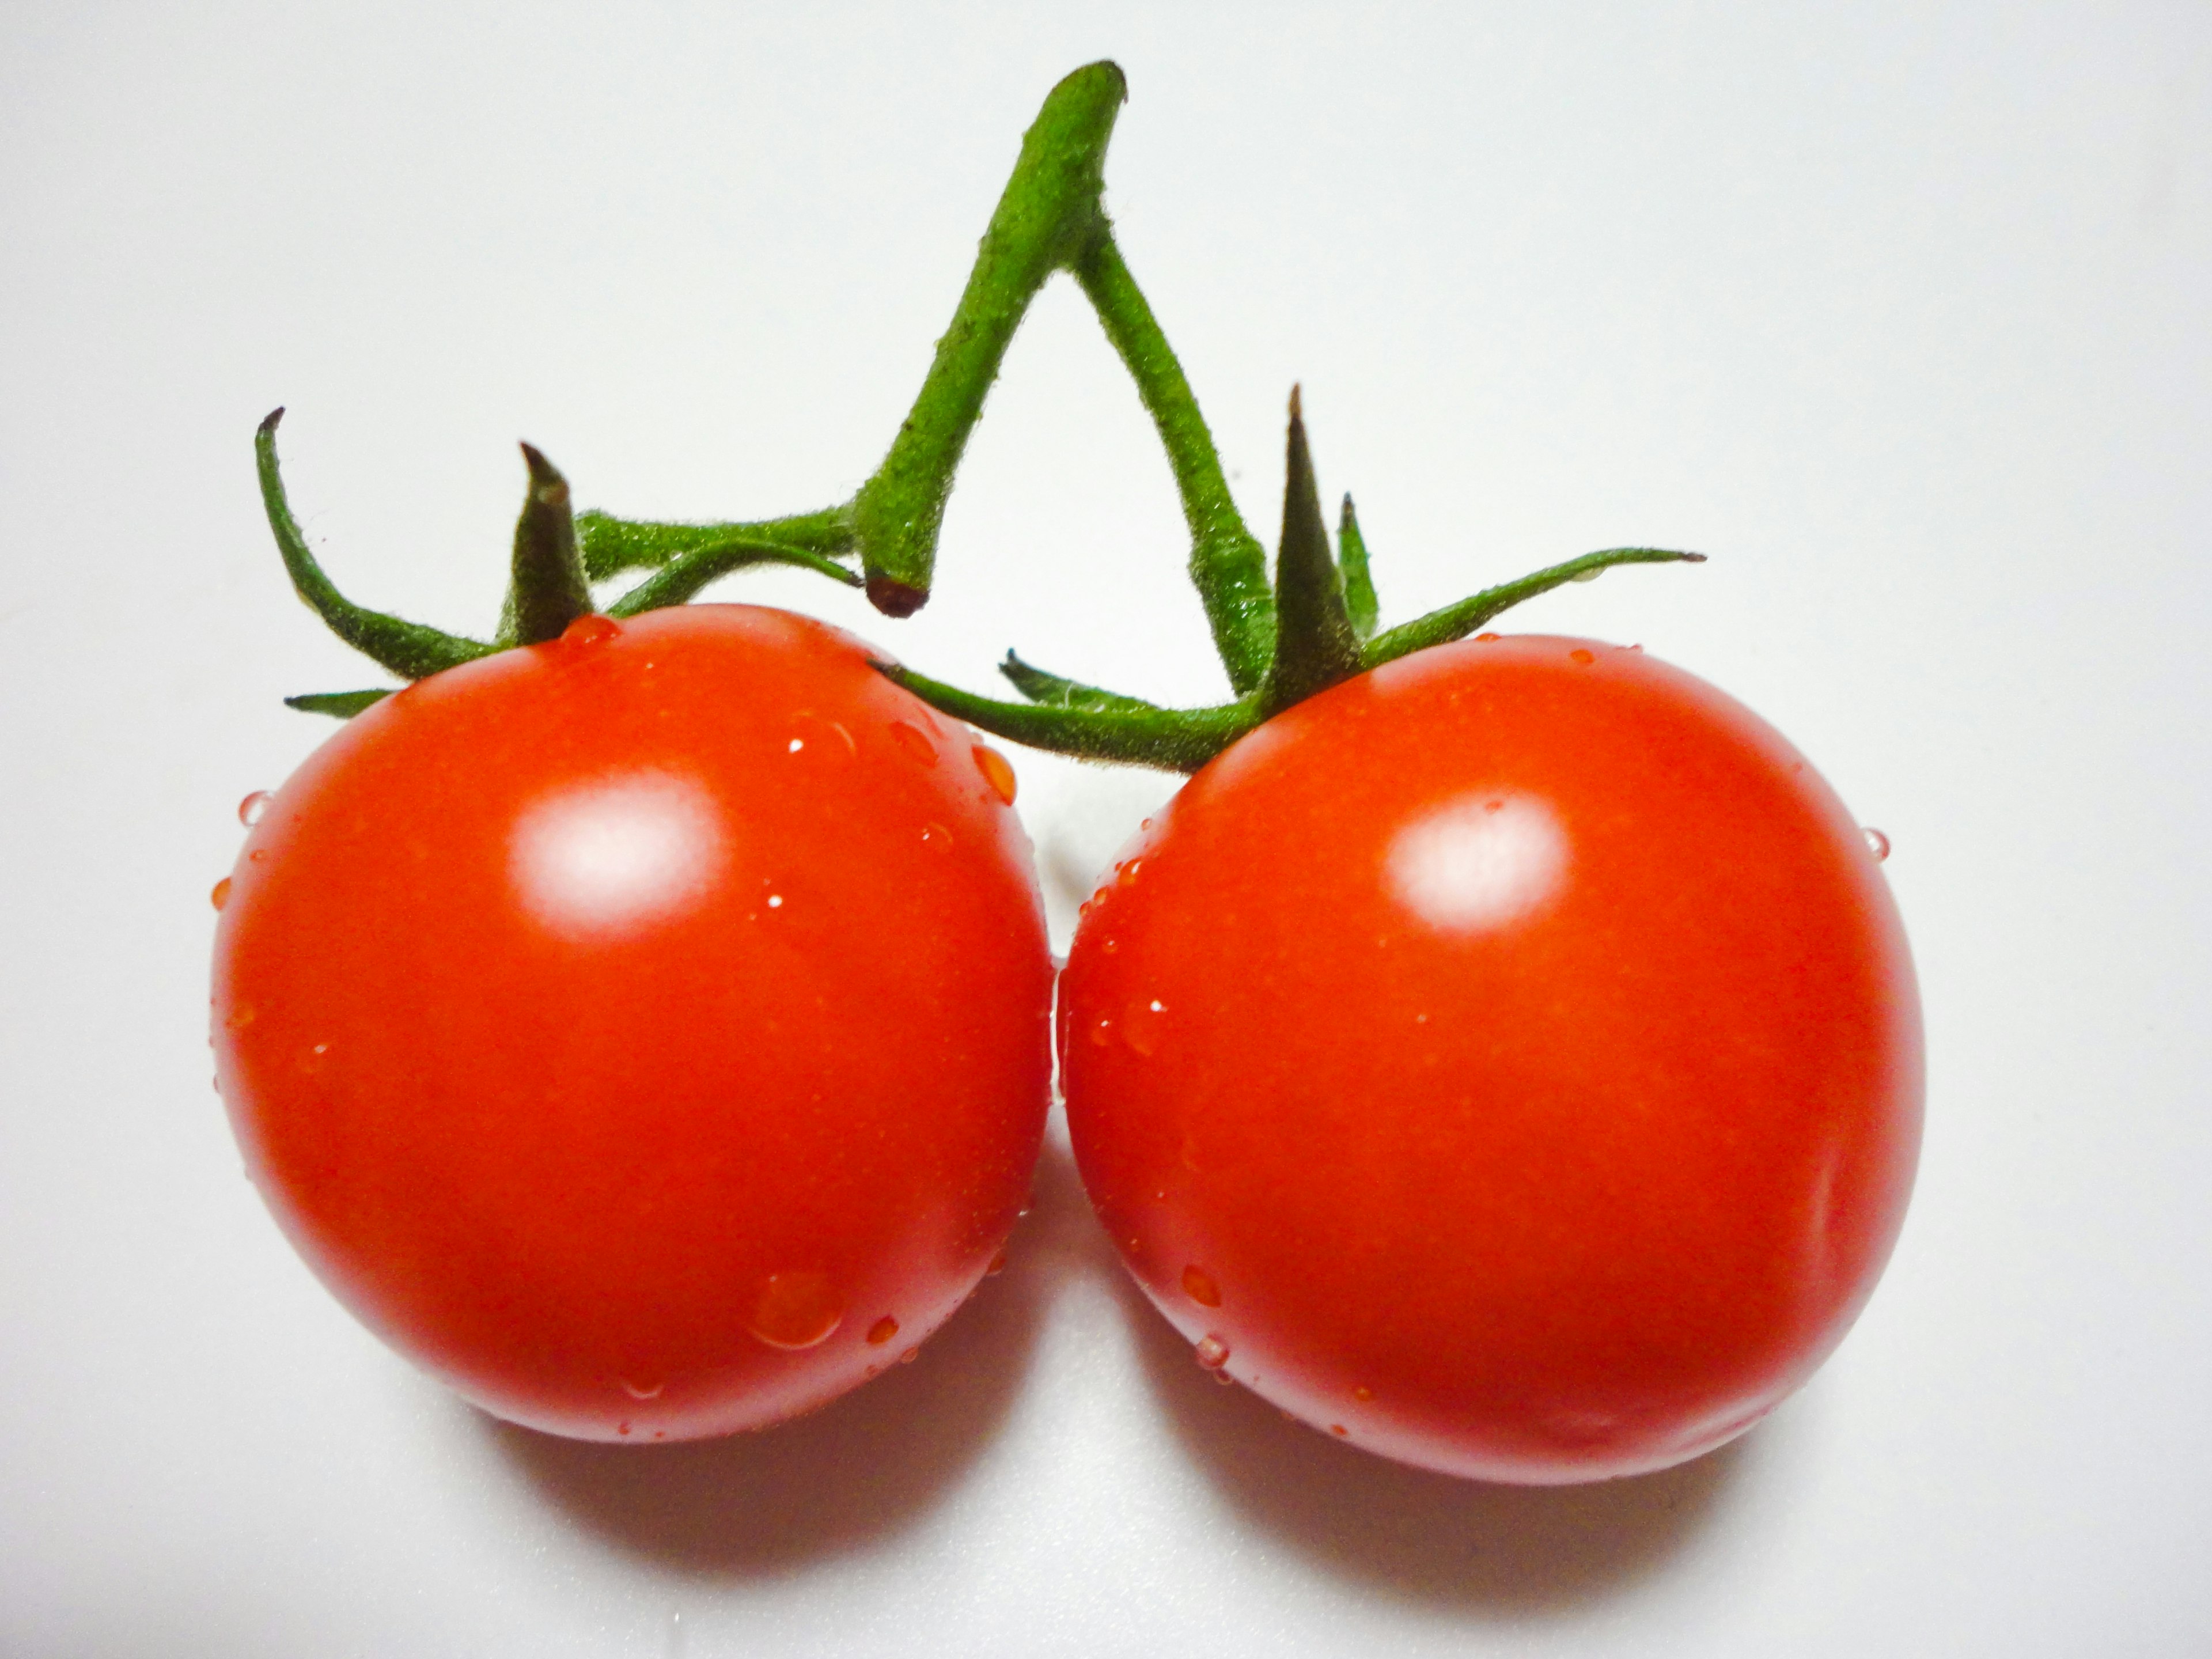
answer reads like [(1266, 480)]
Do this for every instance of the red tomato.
[(646, 1033), (1508, 1061)]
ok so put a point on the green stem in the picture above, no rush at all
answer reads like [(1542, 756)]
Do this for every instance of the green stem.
[(1456, 622), (1171, 739), (409, 649), (685, 575), (1227, 564), (1049, 210), (613, 545)]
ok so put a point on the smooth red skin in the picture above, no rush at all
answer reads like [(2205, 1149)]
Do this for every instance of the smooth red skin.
[(556, 1172), (1583, 1194)]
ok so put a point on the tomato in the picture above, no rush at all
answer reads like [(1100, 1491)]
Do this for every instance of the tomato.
[(647, 1033), (1508, 1060)]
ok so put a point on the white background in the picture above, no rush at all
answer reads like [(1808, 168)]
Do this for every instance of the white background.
[(1898, 310)]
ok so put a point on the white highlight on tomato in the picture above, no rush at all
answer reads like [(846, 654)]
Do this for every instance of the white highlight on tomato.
[(1478, 862), (616, 856)]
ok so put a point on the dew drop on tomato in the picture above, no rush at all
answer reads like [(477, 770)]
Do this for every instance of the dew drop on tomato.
[(913, 744), (937, 837), (1582, 656), (589, 629), (1212, 1353), (1877, 843), (643, 1390), (814, 738), (219, 895), (251, 809), (883, 1331), (796, 1310), (1198, 1284), (997, 771), (1140, 1027)]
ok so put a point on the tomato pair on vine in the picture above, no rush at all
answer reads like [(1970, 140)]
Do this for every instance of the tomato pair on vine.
[(1503, 1054)]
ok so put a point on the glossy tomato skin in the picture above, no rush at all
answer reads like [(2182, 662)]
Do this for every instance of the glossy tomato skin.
[(1511, 1057), (648, 1032)]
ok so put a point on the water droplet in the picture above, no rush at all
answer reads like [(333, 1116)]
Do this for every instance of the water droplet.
[(219, 895), (819, 739), (1877, 844), (997, 771), (1110, 946), (937, 837), (1198, 1284), (1484, 638), (1635, 647), (796, 1310), (1126, 874), (240, 1017), (998, 1265), (621, 1428), (1224, 1378), (775, 900), (640, 1391), (251, 809), (1212, 1353), (1102, 1032), (1580, 656), (1363, 1392), (258, 855), (1587, 575), (913, 744), (1339, 1429), (1140, 1028), (589, 629), (909, 1356), (883, 1330)]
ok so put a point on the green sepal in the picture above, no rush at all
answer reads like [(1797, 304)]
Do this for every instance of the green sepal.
[(1352, 573), (1171, 740), (341, 705), (548, 590), (407, 649), (1055, 692), (612, 545), (676, 581), (1314, 645), (1456, 622)]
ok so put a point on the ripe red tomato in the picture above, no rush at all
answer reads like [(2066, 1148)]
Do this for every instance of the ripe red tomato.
[(1509, 1059), (647, 1032)]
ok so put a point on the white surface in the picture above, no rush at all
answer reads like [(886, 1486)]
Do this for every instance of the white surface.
[(1900, 311)]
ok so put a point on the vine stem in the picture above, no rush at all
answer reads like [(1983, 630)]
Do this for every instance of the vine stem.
[(1050, 218)]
